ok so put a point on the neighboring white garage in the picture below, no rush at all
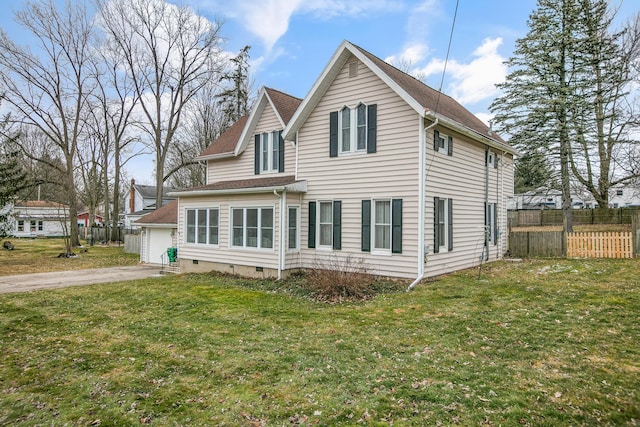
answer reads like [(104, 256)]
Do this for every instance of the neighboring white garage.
[(159, 233)]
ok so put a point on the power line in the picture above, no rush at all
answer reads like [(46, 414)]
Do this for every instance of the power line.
[(446, 61)]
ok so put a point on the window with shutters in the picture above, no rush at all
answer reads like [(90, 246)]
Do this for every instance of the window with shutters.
[(252, 227), (442, 143), (270, 151), (325, 224), (492, 159), (202, 226), (355, 130), (382, 226)]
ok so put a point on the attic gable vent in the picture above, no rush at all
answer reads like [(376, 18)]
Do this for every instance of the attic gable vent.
[(353, 69)]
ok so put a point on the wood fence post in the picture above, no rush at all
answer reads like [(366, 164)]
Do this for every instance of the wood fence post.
[(635, 227)]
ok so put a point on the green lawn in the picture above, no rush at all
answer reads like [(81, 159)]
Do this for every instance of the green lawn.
[(547, 342), (40, 255)]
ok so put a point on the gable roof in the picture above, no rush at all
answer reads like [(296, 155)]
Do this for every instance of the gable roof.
[(225, 144), (149, 191), (39, 204), (422, 98), (168, 214), (234, 141)]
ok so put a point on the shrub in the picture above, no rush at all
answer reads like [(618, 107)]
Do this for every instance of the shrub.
[(340, 278)]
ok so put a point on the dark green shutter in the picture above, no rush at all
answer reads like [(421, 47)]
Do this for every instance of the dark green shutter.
[(450, 224), (371, 127), (396, 226), (436, 221), (312, 224), (450, 147), (495, 224), (366, 226), (337, 224), (333, 134), (256, 164), (280, 152), (436, 140)]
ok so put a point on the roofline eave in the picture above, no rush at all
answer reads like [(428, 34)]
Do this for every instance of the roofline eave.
[(296, 187)]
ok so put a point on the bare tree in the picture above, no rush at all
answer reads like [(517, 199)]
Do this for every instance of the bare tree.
[(112, 109), (47, 88), (169, 53)]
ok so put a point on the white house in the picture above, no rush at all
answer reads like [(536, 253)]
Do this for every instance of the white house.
[(364, 167), (37, 218)]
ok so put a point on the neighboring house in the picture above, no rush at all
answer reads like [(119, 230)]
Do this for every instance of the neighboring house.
[(159, 232), (37, 218), (624, 197), (540, 198), (83, 219), (363, 168), (141, 200)]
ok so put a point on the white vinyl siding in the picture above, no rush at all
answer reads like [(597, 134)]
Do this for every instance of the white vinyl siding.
[(393, 170), (243, 167), (226, 252)]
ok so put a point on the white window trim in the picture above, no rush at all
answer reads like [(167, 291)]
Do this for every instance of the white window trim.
[(271, 143), (196, 243), (444, 243), (244, 228), (319, 245), (374, 249), (491, 158), (445, 148), (298, 231), (353, 130)]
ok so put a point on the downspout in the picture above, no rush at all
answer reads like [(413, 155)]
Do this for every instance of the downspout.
[(422, 171), (281, 231), (487, 230), (297, 143)]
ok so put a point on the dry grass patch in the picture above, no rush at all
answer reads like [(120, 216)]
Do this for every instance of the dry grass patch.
[(41, 255)]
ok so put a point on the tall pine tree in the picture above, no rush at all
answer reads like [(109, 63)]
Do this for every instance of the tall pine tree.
[(565, 97)]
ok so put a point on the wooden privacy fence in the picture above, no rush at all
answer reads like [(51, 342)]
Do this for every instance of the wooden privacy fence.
[(592, 244), (604, 244)]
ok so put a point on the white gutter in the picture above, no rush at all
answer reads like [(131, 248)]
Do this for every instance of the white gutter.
[(300, 186), (422, 178), (470, 132)]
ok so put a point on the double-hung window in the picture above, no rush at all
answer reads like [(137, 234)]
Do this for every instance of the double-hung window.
[(252, 227), (382, 224), (353, 130), (40, 225), (20, 225), (292, 222), (202, 226), (490, 224), (325, 224), (269, 152), (443, 224)]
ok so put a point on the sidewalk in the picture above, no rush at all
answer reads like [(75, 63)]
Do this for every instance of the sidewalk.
[(63, 279)]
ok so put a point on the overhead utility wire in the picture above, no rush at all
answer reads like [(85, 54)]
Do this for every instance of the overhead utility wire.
[(453, 24)]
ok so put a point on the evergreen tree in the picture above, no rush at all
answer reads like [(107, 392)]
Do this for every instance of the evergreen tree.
[(235, 100), (565, 97), (13, 179)]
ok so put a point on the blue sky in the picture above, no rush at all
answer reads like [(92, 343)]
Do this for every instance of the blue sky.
[(293, 40)]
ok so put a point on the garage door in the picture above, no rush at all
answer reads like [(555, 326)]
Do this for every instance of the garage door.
[(159, 239)]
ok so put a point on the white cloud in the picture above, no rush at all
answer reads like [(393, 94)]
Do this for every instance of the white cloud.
[(269, 19), (468, 82), (485, 117)]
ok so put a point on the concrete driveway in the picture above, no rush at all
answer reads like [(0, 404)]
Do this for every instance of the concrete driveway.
[(63, 279)]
